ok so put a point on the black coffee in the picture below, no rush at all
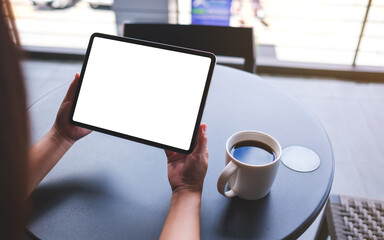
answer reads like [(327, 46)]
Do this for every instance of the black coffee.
[(253, 152)]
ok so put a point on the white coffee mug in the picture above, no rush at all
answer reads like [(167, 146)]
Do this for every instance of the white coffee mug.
[(248, 181)]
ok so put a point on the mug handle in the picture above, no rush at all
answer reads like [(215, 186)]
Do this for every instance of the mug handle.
[(228, 171)]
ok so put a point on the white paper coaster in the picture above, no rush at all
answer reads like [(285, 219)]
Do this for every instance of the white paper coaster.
[(300, 159)]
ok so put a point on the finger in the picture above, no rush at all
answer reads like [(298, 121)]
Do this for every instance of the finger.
[(201, 144), (174, 156), (72, 89), (168, 153), (202, 139)]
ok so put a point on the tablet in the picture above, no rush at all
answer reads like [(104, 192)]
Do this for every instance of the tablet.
[(143, 91)]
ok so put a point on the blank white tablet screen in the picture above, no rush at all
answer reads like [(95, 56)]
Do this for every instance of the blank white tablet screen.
[(144, 92)]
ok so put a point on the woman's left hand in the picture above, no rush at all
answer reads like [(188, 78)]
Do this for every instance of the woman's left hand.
[(62, 126)]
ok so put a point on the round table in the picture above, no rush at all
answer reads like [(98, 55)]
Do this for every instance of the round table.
[(111, 188)]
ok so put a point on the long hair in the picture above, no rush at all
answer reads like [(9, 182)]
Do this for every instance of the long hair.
[(14, 137)]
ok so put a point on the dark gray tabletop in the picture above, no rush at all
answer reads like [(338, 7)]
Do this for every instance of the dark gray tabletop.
[(110, 188)]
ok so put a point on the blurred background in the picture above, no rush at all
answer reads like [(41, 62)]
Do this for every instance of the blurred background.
[(304, 31)]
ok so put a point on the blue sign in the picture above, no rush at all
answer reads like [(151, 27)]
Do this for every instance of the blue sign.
[(211, 12)]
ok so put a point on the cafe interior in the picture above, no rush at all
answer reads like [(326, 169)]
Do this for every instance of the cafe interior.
[(308, 72)]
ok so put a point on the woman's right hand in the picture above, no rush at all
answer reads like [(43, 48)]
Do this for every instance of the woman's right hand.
[(187, 172)]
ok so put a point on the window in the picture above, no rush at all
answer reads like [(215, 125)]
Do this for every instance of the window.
[(311, 31)]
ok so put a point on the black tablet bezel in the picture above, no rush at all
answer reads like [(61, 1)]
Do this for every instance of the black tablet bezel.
[(156, 45)]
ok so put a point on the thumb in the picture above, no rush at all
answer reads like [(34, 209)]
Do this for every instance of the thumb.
[(202, 138), (72, 89)]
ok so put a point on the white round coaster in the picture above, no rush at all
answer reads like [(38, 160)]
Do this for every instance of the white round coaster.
[(300, 159)]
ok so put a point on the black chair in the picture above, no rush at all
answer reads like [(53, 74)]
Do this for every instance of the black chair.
[(222, 41)]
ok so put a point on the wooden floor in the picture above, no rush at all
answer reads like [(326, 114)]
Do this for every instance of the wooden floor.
[(352, 114)]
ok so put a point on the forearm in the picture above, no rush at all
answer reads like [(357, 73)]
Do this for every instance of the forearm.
[(183, 220), (44, 155)]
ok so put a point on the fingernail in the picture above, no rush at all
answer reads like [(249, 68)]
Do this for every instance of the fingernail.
[(204, 128)]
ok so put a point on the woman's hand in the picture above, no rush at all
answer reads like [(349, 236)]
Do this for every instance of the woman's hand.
[(62, 126), (186, 175), (45, 153), (187, 172)]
